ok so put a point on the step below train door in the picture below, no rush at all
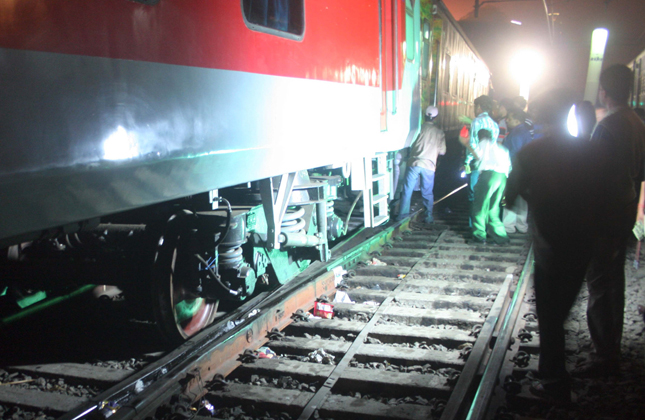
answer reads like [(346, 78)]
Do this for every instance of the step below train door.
[(372, 175)]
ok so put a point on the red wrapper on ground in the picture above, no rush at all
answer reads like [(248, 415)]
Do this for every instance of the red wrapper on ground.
[(324, 310)]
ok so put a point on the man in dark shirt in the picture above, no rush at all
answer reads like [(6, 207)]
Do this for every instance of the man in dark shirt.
[(519, 133), (556, 175), (619, 139)]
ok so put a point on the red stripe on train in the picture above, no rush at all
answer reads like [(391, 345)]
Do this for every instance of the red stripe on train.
[(341, 39)]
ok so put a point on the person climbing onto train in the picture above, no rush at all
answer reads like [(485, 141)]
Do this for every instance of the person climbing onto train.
[(557, 176), (422, 164), (483, 121), (494, 165), (516, 218), (620, 140)]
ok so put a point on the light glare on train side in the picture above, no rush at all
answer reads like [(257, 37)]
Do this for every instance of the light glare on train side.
[(572, 122), (120, 145)]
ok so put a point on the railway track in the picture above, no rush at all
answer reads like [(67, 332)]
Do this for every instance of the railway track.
[(402, 349), (429, 312)]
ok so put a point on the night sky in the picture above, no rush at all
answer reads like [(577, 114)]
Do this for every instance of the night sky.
[(566, 59)]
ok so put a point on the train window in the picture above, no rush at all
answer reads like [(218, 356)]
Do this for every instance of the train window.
[(447, 72), (410, 45), (284, 18), (425, 63)]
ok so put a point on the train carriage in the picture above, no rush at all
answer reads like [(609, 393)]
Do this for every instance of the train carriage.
[(638, 89), (202, 144)]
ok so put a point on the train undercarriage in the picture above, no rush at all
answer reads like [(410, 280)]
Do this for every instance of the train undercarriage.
[(187, 261)]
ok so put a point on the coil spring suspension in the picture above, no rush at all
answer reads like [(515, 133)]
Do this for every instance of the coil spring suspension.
[(334, 223), (330, 208), (231, 257), (292, 220)]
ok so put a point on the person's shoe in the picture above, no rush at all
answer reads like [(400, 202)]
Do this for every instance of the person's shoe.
[(595, 369), (523, 232), (500, 240), (556, 393), (477, 240)]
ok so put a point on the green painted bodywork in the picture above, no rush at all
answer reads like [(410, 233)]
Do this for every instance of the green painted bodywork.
[(284, 263), (186, 309), (31, 299)]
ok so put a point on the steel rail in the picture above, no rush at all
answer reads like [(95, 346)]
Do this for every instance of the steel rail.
[(466, 383), (216, 349), (490, 378), (464, 397)]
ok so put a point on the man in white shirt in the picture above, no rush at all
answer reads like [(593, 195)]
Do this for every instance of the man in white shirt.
[(483, 107), (494, 165)]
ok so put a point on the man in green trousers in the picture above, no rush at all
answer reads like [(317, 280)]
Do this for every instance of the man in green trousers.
[(494, 165)]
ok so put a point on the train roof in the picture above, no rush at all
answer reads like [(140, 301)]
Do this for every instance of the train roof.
[(443, 10), (446, 13)]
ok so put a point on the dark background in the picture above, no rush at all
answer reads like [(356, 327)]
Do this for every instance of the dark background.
[(566, 58)]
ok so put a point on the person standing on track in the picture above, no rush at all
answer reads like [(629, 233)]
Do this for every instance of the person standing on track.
[(516, 218), (494, 164), (422, 163), (483, 106), (620, 142), (505, 105), (557, 176)]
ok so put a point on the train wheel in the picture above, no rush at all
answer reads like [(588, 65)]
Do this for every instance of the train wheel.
[(178, 311)]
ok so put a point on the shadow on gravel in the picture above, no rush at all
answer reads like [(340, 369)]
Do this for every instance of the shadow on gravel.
[(83, 330)]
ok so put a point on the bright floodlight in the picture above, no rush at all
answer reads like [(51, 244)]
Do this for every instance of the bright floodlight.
[(596, 56), (599, 40), (516, 22), (526, 66)]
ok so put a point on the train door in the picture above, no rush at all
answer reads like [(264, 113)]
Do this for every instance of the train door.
[(398, 45), (638, 89), (413, 57), (431, 35), (427, 95)]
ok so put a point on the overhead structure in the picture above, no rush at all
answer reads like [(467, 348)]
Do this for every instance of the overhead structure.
[(598, 43), (549, 21)]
